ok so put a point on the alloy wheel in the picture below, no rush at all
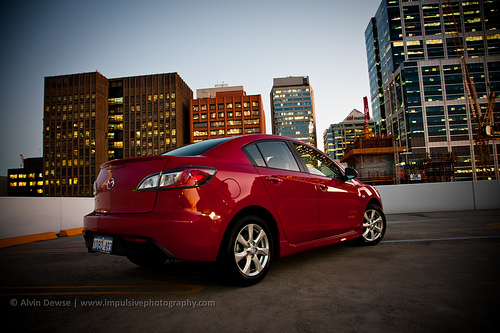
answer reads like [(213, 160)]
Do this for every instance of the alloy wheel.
[(251, 250), (373, 225)]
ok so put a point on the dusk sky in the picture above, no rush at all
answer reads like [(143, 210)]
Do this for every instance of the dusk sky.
[(207, 42)]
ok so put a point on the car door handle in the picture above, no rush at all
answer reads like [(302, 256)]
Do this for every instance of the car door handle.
[(323, 187), (274, 179)]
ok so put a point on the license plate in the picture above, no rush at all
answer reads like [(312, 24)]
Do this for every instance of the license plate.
[(102, 244)]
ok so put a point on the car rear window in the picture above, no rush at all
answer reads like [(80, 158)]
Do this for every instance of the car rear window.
[(196, 148), (273, 154)]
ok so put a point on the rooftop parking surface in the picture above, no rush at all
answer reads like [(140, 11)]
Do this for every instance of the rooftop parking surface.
[(433, 272)]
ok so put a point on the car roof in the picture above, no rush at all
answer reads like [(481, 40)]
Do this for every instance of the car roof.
[(203, 147), (235, 144)]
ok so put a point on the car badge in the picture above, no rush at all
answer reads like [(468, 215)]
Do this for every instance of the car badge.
[(110, 184)]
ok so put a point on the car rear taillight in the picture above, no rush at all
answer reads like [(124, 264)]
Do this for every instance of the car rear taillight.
[(177, 178)]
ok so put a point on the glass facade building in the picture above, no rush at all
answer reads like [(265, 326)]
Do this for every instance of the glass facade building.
[(416, 84), (339, 136), (292, 109)]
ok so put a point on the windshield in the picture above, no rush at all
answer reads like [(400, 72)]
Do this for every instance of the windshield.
[(196, 148)]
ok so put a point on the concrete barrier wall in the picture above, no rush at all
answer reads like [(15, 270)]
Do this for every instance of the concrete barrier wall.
[(487, 194), (435, 197), (21, 216)]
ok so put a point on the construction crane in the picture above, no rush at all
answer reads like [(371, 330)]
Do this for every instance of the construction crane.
[(367, 117), (484, 123)]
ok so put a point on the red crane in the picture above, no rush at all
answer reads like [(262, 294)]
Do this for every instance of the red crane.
[(367, 117)]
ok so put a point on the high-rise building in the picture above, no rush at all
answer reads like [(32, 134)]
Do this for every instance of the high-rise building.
[(292, 108), (90, 119), (338, 136), (225, 111), (147, 115), (417, 89)]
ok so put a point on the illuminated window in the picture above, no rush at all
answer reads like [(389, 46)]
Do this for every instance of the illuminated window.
[(234, 122), (474, 38), (200, 133), (234, 131), (412, 42), (434, 41)]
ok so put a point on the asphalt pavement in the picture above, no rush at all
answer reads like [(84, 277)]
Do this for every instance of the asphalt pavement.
[(433, 272)]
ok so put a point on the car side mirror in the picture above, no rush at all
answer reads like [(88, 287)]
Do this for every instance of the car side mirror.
[(350, 173)]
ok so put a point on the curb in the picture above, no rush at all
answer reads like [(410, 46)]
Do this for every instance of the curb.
[(12, 241), (6, 242), (71, 232)]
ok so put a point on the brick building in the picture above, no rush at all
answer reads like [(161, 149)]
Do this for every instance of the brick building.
[(225, 111)]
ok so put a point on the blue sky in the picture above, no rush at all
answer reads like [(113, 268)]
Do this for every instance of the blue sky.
[(207, 42)]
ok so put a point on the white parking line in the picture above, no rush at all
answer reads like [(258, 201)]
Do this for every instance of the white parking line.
[(416, 221), (438, 239)]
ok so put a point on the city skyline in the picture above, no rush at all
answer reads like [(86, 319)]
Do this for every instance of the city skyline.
[(206, 43)]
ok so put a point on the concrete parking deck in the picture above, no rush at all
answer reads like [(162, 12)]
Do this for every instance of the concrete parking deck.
[(434, 272)]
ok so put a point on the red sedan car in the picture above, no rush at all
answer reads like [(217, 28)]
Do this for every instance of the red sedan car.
[(243, 201)]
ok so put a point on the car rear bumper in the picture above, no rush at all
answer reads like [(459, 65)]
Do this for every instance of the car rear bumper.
[(183, 235), (125, 245)]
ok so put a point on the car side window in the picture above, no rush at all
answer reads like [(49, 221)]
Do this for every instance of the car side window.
[(254, 153), (273, 154), (317, 163)]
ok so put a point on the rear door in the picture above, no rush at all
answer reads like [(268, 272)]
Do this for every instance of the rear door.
[(292, 191)]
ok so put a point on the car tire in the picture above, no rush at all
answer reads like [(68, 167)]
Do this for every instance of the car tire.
[(374, 225), (248, 251), (152, 261)]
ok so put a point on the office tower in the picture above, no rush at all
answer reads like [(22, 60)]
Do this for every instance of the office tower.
[(339, 136), (225, 111), (417, 88), (90, 119), (292, 108), (148, 115)]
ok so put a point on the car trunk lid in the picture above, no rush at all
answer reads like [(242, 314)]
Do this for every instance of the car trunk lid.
[(115, 187)]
